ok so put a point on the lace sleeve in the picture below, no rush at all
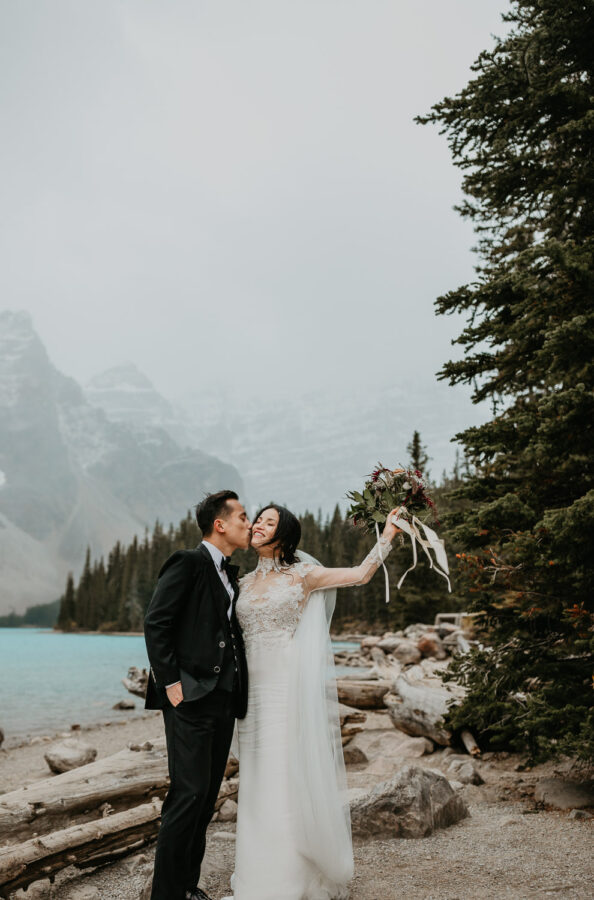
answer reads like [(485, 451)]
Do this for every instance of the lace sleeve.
[(320, 577)]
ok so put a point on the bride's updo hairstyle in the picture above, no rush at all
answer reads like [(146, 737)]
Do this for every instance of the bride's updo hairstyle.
[(287, 534)]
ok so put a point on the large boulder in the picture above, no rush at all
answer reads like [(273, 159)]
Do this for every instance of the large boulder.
[(368, 642), (406, 652), (388, 643), (430, 645), (228, 811), (412, 804), (69, 754), (564, 794), (465, 770)]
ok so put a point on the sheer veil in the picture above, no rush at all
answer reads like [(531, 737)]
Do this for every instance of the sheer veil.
[(319, 796)]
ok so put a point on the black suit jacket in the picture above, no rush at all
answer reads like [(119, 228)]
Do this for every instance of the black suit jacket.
[(188, 632)]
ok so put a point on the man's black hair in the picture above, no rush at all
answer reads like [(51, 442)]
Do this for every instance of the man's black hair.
[(214, 506)]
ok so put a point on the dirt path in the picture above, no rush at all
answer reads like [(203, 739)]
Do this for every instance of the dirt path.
[(506, 848)]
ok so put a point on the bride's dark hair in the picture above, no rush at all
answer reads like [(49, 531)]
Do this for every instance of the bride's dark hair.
[(287, 534)]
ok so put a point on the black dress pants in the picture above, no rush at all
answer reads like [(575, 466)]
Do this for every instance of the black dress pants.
[(198, 735)]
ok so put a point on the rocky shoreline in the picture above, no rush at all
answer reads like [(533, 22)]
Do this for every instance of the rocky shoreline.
[(430, 820)]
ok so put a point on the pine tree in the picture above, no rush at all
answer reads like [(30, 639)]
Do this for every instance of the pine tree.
[(522, 131), (418, 454), (67, 614)]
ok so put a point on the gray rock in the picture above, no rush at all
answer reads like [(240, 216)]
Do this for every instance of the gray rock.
[(354, 754), (124, 704), (407, 652), (465, 770), (580, 814), (388, 644), (369, 642), (412, 804), (228, 811), (564, 794), (69, 754), (38, 890)]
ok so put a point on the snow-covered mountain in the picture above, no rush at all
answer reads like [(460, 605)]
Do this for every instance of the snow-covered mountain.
[(72, 477), (127, 395), (307, 451)]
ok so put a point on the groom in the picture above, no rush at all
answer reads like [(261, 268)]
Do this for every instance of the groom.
[(198, 678)]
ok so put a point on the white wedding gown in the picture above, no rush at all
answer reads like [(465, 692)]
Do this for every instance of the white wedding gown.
[(282, 852)]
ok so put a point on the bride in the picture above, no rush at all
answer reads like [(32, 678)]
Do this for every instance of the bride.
[(293, 825)]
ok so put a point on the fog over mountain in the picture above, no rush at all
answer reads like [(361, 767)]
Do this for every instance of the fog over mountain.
[(72, 477), (230, 231), (304, 450)]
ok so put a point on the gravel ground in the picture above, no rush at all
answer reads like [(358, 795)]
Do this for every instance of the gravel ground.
[(506, 848), (498, 852)]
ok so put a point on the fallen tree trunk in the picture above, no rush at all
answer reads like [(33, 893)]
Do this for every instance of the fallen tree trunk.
[(350, 720), (87, 844), (116, 782), (418, 707), (362, 694)]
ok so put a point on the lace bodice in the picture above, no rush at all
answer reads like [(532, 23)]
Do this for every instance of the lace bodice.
[(273, 597)]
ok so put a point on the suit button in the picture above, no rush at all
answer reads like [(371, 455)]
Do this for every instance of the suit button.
[(217, 668), (221, 643)]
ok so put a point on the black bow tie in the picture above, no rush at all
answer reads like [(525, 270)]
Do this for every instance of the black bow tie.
[(228, 568)]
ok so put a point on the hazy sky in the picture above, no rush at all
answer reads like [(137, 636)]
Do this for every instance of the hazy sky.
[(234, 191)]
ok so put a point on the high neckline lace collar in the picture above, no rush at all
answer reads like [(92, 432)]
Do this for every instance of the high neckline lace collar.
[(268, 564), (265, 564)]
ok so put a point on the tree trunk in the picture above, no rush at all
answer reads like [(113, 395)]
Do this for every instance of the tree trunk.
[(116, 782), (362, 694), (87, 844), (418, 707)]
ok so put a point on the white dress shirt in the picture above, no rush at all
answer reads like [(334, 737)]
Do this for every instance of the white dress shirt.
[(218, 556)]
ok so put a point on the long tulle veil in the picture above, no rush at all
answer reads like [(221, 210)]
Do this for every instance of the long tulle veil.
[(316, 764)]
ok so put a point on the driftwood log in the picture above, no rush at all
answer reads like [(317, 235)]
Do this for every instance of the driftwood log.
[(136, 681), (350, 722), (418, 707), (115, 783), (86, 844), (362, 694)]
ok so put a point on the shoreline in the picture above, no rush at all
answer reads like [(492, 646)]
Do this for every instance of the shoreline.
[(24, 763), (497, 844), (350, 637)]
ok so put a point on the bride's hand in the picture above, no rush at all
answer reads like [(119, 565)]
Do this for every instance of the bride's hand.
[(390, 530)]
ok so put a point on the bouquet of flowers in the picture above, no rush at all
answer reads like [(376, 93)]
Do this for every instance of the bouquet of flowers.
[(406, 489)]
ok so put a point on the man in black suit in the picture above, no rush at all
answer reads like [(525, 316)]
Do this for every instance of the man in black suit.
[(198, 677)]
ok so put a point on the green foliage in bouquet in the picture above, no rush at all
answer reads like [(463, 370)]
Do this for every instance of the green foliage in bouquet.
[(522, 131), (384, 490)]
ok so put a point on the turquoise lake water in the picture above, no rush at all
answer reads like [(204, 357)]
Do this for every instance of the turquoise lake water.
[(50, 681)]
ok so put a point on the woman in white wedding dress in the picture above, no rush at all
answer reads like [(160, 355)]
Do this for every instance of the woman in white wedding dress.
[(293, 839)]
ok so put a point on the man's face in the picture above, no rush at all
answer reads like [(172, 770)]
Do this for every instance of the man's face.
[(237, 526)]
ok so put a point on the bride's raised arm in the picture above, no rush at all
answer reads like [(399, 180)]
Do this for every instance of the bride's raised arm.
[(321, 577)]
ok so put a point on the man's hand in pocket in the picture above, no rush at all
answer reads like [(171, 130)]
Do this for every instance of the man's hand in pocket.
[(175, 694)]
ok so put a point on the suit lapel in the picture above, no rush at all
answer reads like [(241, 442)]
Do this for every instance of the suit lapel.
[(218, 588)]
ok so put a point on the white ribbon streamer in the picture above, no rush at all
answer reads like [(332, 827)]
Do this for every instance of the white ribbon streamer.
[(431, 542), (386, 576)]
